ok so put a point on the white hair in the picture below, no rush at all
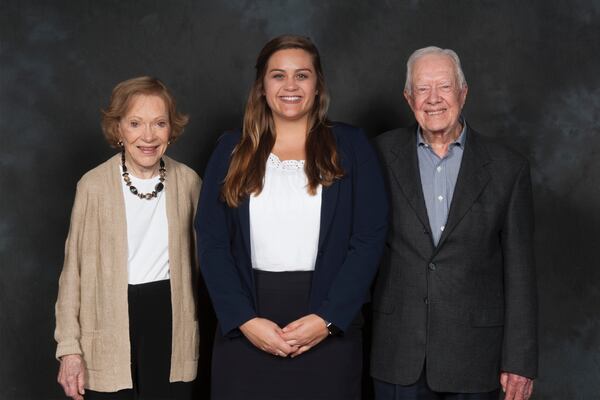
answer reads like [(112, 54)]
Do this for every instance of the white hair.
[(460, 76)]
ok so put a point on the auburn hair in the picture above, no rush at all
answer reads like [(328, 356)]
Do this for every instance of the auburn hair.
[(122, 97), (248, 160)]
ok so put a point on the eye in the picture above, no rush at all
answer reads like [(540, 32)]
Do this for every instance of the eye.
[(302, 76), (162, 124), (278, 76), (134, 124)]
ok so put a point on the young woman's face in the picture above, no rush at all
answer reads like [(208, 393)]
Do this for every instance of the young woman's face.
[(290, 84)]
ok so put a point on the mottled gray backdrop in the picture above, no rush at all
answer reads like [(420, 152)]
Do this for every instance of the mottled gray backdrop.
[(533, 69)]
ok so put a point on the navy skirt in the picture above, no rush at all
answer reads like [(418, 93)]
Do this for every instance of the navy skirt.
[(330, 370)]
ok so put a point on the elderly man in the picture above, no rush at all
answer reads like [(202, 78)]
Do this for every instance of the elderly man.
[(454, 308)]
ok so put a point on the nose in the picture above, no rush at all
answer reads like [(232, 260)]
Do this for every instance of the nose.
[(433, 96), (148, 133), (291, 84)]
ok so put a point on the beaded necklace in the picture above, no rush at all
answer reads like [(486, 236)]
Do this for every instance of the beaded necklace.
[(157, 189)]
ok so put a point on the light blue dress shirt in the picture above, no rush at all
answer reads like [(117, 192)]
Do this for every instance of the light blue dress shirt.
[(438, 179)]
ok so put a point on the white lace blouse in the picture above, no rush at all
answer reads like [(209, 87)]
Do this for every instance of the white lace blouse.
[(284, 219)]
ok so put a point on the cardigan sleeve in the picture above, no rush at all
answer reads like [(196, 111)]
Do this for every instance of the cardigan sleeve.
[(68, 332), (352, 284), (231, 300)]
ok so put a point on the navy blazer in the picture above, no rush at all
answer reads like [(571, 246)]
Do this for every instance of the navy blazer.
[(353, 228)]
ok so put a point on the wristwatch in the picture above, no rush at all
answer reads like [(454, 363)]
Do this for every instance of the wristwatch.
[(333, 330)]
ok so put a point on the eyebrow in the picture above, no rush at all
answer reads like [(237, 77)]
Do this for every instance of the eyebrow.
[(437, 83), (297, 70), (138, 117)]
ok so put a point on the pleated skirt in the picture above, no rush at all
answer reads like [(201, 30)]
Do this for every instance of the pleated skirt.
[(331, 370)]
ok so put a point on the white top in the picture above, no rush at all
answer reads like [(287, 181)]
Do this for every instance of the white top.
[(285, 219), (147, 232)]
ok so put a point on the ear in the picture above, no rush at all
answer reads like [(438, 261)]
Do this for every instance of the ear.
[(463, 95), (409, 98), (118, 132)]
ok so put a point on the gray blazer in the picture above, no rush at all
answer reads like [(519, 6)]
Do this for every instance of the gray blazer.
[(468, 306)]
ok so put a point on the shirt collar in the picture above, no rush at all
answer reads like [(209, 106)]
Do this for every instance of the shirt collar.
[(460, 141)]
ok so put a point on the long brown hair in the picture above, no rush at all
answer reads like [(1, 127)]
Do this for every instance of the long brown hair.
[(247, 166)]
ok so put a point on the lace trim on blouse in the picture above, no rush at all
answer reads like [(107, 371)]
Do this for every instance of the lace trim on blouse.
[(288, 165)]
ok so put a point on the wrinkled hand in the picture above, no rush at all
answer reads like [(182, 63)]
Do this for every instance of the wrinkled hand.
[(305, 333), (266, 335), (516, 387), (71, 376)]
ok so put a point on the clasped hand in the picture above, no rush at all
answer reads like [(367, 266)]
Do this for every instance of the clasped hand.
[(295, 338)]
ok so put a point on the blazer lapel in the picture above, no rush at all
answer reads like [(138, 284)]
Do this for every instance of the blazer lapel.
[(329, 196), (472, 179), (405, 169), (244, 215)]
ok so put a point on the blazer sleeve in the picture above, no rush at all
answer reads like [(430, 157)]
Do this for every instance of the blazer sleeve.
[(68, 332), (520, 348), (352, 284), (214, 227)]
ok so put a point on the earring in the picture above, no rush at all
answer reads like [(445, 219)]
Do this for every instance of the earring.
[(120, 143)]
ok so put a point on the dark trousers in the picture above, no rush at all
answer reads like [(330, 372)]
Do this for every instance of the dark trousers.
[(150, 329), (421, 391)]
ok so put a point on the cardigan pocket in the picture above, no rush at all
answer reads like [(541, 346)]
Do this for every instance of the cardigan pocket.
[(93, 348)]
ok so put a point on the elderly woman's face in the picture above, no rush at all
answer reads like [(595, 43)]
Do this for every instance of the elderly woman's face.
[(145, 132)]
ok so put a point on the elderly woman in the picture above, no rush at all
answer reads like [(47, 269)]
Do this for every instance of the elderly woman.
[(291, 226), (125, 315)]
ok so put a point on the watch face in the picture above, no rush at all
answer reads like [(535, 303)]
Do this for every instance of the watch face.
[(333, 330)]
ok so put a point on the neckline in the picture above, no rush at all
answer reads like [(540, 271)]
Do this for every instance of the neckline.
[(290, 165), (133, 177)]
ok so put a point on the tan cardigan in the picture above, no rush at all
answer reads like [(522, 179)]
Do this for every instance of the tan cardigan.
[(91, 310)]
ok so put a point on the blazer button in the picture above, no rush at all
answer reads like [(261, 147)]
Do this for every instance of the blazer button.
[(431, 266), (425, 300)]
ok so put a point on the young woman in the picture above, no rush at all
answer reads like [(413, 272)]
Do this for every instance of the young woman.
[(291, 225)]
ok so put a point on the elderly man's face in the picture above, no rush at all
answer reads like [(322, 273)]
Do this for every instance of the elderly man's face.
[(436, 98)]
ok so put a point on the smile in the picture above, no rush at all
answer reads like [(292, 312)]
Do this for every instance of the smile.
[(290, 99), (436, 112), (149, 150)]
